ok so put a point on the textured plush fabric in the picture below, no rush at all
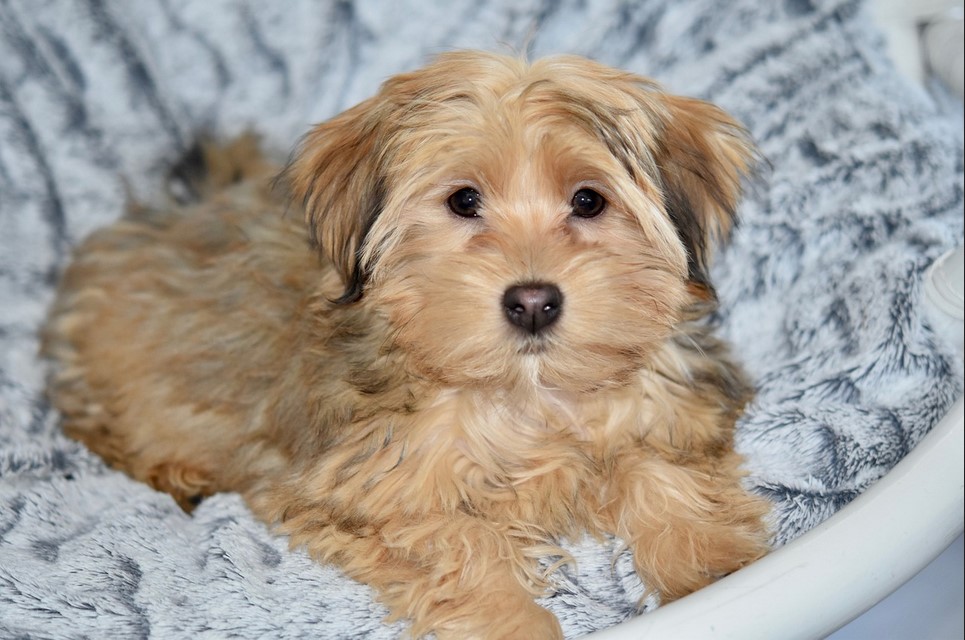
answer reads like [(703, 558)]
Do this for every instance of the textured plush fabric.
[(821, 287)]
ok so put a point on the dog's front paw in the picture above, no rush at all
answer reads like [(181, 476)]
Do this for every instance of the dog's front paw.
[(692, 553), (506, 618), (542, 625), (687, 527)]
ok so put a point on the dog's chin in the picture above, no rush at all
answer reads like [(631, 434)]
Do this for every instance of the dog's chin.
[(546, 363), (566, 374)]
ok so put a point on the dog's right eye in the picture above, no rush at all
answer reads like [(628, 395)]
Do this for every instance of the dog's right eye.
[(587, 203), (465, 203)]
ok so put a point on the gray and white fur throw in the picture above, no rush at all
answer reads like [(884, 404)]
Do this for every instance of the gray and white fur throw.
[(821, 288)]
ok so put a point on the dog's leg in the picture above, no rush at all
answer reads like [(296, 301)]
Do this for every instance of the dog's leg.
[(687, 525), (454, 575), (187, 483)]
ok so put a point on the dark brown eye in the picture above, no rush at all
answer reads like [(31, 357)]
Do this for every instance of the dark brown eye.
[(465, 203), (587, 203)]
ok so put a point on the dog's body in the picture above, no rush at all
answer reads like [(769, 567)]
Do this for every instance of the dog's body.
[(500, 346)]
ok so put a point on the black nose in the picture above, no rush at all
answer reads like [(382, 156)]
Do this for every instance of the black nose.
[(533, 306)]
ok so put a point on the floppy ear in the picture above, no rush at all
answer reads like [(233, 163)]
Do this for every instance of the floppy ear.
[(702, 156), (337, 173), (696, 154)]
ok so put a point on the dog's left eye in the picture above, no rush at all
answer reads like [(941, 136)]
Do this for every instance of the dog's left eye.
[(587, 203), (465, 203)]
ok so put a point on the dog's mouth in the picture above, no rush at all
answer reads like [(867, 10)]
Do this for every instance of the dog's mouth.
[(533, 345)]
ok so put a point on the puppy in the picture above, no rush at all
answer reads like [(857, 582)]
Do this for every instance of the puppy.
[(483, 336)]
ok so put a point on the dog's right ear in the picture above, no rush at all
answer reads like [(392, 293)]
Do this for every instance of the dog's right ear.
[(337, 175)]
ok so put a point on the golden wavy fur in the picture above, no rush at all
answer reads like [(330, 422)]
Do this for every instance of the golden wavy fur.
[(384, 405)]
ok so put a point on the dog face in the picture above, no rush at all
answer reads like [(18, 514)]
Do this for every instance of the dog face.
[(545, 224)]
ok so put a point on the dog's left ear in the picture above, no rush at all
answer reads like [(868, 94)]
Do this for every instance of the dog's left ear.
[(337, 174), (702, 156)]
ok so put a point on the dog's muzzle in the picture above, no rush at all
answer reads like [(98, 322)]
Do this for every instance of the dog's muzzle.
[(533, 306)]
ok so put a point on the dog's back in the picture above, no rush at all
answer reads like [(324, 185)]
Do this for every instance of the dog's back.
[(185, 309)]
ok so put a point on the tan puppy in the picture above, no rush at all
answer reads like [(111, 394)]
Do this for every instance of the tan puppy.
[(499, 347)]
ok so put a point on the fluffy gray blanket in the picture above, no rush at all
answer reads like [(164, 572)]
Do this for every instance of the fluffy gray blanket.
[(821, 288)]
